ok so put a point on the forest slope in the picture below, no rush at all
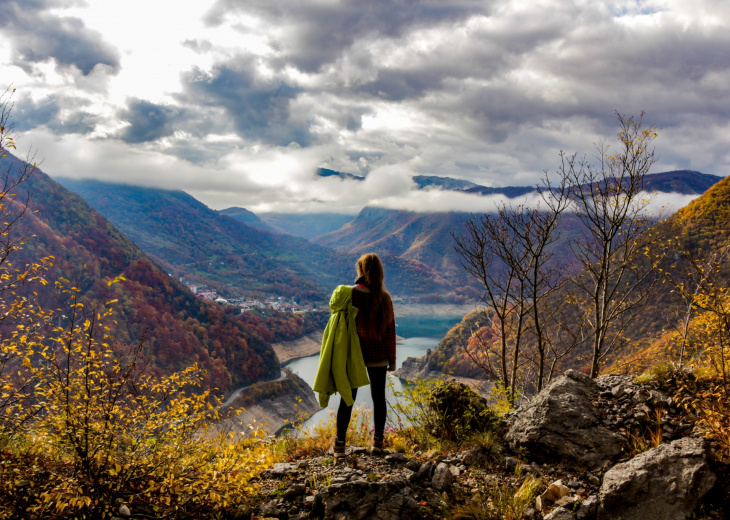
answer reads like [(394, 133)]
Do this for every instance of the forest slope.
[(178, 328)]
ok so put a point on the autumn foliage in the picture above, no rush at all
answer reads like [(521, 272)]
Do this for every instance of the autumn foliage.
[(90, 426)]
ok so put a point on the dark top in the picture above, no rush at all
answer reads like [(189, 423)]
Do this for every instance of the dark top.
[(375, 347)]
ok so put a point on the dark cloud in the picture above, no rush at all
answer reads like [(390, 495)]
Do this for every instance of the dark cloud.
[(38, 35), (318, 32), (260, 108), (148, 121), (398, 85), (62, 115)]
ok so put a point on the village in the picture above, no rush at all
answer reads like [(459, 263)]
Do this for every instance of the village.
[(277, 303)]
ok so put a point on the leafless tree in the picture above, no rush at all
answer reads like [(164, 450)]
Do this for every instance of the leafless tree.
[(509, 253), (610, 201)]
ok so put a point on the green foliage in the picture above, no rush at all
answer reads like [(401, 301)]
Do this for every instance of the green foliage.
[(499, 502), (412, 415), (499, 399), (488, 444), (430, 413), (457, 412)]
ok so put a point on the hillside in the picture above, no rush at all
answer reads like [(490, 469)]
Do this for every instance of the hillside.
[(425, 237), (200, 244), (179, 329), (704, 224), (247, 217)]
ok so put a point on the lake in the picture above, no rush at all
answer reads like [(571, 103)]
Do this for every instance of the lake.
[(420, 333)]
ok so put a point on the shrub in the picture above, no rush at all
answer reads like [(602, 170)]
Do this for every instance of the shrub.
[(99, 431), (458, 412)]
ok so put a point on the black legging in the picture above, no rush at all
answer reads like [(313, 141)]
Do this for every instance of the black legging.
[(377, 390)]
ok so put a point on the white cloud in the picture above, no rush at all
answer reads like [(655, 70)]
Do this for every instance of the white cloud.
[(488, 92)]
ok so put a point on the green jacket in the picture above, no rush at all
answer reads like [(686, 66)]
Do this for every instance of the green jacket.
[(341, 365)]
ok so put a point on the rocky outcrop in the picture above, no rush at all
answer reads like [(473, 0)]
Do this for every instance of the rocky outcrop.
[(559, 437), (664, 483), (360, 487), (562, 425), (414, 368)]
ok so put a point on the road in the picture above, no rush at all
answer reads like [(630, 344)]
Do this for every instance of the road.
[(238, 391)]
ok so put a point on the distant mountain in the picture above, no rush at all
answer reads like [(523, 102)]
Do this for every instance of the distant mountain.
[(508, 191), (201, 244), (324, 172), (444, 183), (426, 237), (306, 225), (687, 182), (247, 217), (179, 329)]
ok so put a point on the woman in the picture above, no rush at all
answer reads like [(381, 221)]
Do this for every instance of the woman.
[(376, 331)]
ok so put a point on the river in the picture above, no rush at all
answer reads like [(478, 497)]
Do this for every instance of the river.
[(419, 332)]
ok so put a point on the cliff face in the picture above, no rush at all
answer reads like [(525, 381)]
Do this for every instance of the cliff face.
[(269, 405)]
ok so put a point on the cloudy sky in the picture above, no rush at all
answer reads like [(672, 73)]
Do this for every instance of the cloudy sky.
[(238, 102)]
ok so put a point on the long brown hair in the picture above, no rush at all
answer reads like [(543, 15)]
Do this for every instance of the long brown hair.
[(371, 270)]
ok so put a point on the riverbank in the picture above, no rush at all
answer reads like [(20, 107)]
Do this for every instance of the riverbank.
[(305, 346)]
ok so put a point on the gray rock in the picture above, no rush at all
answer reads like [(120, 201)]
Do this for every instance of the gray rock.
[(124, 510), (442, 477), (561, 425), (396, 458), (397, 506), (472, 457), (294, 491), (587, 509), (510, 464), (413, 465), (271, 508), (425, 471), (365, 500), (664, 483), (559, 513), (282, 469), (530, 514)]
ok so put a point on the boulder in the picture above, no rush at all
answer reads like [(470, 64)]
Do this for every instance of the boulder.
[(561, 425), (442, 477), (391, 500), (560, 513), (664, 483)]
